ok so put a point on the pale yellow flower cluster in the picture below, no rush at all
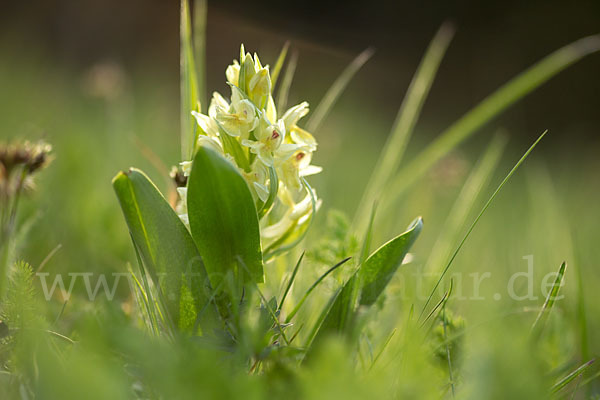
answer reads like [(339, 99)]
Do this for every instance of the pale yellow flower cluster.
[(271, 151)]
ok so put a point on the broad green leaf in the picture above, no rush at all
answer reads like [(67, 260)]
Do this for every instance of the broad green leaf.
[(340, 315), (223, 219), (165, 246), (378, 269), (365, 285)]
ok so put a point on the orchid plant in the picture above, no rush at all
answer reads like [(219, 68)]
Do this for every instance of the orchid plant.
[(270, 150), (244, 201)]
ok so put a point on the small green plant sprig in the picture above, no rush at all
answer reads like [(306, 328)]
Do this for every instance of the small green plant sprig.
[(19, 162)]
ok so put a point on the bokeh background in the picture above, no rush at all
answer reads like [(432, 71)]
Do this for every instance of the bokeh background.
[(100, 81)]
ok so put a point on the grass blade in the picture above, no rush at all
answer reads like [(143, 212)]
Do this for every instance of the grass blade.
[(450, 373), (366, 248), (490, 107), (383, 347), (483, 210), (440, 303), (199, 35), (279, 64), (312, 287), (336, 90), (569, 378), (463, 205), (286, 83), (188, 83), (550, 299), (409, 112), (291, 281)]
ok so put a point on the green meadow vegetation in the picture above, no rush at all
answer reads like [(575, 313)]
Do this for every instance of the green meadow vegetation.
[(232, 274)]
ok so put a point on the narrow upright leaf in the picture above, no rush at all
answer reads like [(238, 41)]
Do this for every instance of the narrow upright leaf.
[(188, 83), (279, 63), (550, 299)]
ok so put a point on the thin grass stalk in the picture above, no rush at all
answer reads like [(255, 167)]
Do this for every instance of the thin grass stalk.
[(465, 201), (490, 107), (408, 114), (336, 89), (286, 83), (483, 210)]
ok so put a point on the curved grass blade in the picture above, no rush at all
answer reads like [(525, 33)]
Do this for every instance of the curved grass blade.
[(223, 219), (490, 107), (377, 271), (336, 89), (483, 210), (165, 246), (313, 286), (279, 64), (286, 83), (569, 378), (383, 347), (440, 303), (395, 146), (291, 281), (464, 203), (199, 35), (542, 317), (366, 247)]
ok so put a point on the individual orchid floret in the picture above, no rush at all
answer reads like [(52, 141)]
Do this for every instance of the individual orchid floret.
[(294, 168), (257, 179), (240, 119), (259, 88), (233, 72), (269, 145), (293, 115), (208, 123)]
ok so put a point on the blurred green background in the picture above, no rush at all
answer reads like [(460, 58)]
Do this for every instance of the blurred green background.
[(99, 80)]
